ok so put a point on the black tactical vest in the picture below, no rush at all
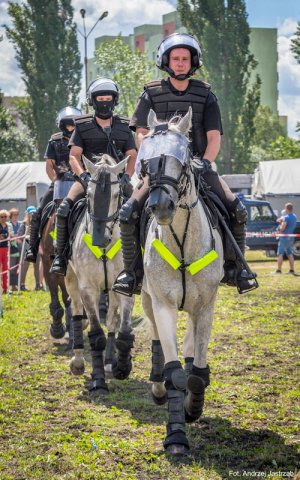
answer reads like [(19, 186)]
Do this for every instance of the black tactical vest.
[(62, 152), (96, 141), (165, 103)]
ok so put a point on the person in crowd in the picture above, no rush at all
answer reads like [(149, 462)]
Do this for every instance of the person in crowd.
[(14, 257), (94, 134), (179, 55), (287, 226), (4, 239), (57, 168), (24, 265)]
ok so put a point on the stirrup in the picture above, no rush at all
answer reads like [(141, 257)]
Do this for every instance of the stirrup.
[(246, 281), (127, 284), (59, 266), (30, 255)]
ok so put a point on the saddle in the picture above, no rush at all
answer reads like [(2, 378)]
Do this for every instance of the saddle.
[(47, 213), (76, 215)]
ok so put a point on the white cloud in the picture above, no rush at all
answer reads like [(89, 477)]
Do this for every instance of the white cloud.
[(287, 28)]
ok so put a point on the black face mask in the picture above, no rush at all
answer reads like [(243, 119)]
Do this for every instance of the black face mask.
[(104, 109)]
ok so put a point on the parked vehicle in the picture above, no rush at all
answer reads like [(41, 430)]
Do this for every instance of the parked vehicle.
[(263, 220)]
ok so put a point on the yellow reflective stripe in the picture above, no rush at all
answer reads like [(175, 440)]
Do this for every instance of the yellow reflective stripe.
[(199, 264), (166, 254), (97, 251), (87, 238), (53, 234), (114, 249)]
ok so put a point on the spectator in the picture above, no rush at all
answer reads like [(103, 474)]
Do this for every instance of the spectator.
[(24, 229), (14, 257), (4, 235), (287, 226)]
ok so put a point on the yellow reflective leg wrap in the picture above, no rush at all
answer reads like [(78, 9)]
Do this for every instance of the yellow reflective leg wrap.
[(53, 234), (199, 264)]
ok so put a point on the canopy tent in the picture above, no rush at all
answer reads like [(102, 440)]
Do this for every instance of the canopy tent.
[(278, 181), (14, 180)]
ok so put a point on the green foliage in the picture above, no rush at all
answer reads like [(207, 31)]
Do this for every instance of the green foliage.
[(44, 37), (295, 42), (267, 127), (223, 31), (129, 69), (16, 144), (283, 148)]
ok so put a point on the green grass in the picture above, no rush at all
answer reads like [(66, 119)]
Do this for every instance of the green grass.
[(51, 429)]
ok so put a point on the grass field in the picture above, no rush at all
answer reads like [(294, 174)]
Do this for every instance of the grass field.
[(51, 429)]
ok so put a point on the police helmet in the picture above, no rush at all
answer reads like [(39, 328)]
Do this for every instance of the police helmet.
[(102, 86), (179, 40), (66, 116)]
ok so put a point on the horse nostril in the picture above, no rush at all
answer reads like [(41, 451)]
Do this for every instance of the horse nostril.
[(171, 205)]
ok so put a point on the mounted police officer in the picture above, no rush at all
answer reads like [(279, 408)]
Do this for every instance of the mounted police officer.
[(58, 170), (94, 134), (180, 56)]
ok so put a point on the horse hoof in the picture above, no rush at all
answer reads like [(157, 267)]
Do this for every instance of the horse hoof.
[(85, 323), (159, 400), (122, 373), (177, 449), (57, 332), (77, 368), (189, 418)]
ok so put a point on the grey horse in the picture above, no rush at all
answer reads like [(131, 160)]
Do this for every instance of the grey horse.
[(183, 264), (95, 261)]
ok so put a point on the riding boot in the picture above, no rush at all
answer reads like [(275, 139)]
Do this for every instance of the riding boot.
[(34, 240), (129, 280), (60, 262), (234, 272)]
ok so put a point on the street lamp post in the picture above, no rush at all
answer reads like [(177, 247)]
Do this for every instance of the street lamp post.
[(85, 36)]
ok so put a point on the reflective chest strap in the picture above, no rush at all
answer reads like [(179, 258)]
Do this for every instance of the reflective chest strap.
[(193, 268), (103, 254)]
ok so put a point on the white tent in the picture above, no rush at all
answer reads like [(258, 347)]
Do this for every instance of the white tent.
[(278, 181), (15, 179)]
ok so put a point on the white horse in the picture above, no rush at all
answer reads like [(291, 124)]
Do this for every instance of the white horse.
[(185, 253), (95, 261)]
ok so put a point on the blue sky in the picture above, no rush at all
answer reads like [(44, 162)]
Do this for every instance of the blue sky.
[(124, 15)]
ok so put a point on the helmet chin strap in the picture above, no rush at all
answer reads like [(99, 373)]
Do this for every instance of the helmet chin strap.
[(182, 76)]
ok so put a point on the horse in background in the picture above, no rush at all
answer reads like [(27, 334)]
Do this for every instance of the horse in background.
[(95, 262), (54, 282), (186, 254)]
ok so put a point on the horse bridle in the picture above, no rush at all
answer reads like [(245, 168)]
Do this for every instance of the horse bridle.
[(110, 218)]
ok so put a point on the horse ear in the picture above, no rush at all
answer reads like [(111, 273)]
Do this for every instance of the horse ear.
[(185, 123), (152, 119), (116, 169), (89, 165)]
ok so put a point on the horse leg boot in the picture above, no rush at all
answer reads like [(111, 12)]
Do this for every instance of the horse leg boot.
[(77, 362), (124, 344), (98, 343), (157, 373), (197, 382), (129, 280), (175, 442), (60, 262), (235, 273), (34, 240)]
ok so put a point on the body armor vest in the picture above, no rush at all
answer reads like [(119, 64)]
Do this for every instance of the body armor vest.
[(96, 141), (62, 152), (165, 103)]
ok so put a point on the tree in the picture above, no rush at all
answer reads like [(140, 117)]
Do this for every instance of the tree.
[(283, 148), (295, 42), (224, 35), (267, 127), (129, 69), (44, 37), (16, 144)]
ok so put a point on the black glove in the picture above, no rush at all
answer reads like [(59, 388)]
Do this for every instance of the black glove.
[(84, 179), (68, 177), (200, 166), (126, 186)]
